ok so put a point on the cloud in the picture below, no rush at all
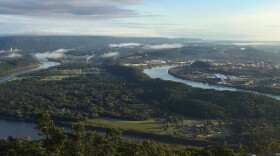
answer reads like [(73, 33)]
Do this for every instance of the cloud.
[(124, 45), (69, 8), (48, 55), (52, 55), (164, 46), (111, 54), (12, 55), (61, 50)]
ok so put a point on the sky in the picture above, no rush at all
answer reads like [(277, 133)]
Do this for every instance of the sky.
[(257, 20)]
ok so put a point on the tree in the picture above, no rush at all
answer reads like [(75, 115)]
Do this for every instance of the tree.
[(55, 137)]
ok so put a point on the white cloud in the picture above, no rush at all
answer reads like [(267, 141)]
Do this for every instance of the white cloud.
[(47, 55), (111, 54), (137, 18), (12, 55), (54, 54), (164, 46), (61, 51), (120, 45), (69, 8)]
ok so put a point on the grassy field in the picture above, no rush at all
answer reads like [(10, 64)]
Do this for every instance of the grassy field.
[(151, 126), (48, 78), (17, 78), (57, 77), (148, 126)]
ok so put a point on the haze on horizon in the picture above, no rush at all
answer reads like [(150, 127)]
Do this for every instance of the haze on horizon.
[(206, 19)]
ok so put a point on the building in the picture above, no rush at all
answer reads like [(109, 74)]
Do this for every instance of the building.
[(219, 77), (262, 64), (91, 71), (13, 50)]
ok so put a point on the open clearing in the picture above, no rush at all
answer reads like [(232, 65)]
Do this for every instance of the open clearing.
[(151, 126), (57, 77), (48, 78)]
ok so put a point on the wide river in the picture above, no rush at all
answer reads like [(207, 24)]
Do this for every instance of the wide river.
[(162, 72)]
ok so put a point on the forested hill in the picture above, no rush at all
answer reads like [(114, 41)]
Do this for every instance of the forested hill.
[(252, 115), (41, 43), (127, 93), (8, 65), (201, 103), (107, 96)]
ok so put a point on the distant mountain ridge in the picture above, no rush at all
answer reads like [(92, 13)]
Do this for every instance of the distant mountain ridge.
[(39, 43)]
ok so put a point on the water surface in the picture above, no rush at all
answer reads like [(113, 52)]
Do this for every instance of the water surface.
[(45, 65), (162, 73)]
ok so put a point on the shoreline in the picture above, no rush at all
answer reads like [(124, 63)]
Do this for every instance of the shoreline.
[(127, 134), (22, 69), (242, 89), (43, 64)]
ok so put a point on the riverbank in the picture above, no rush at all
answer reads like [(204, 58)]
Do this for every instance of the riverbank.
[(162, 73), (44, 64), (17, 127), (140, 135), (21, 69), (258, 90), (10, 65)]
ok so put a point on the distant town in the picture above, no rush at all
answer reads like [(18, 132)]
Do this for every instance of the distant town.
[(12, 50), (256, 76)]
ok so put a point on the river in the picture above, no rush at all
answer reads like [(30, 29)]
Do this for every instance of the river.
[(17, 129), (45, 65), (162, 72), (23, 129)]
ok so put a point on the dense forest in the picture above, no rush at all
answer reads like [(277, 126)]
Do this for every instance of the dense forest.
[(127, 93), (17, 64)]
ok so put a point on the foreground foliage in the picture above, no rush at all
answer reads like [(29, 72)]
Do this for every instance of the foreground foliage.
[(77, 142)]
